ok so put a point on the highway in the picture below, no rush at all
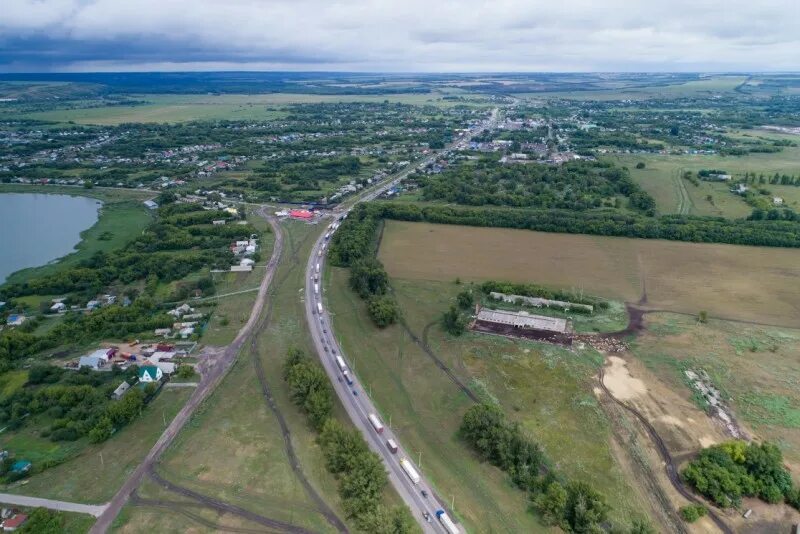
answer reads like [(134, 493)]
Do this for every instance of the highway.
[(353, 396)]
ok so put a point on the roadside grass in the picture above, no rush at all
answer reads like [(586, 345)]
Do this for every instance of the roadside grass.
[(233, 449), (662, 178), (757, 369), (544, 388), (119, 222), (728, 281), (92, 474)]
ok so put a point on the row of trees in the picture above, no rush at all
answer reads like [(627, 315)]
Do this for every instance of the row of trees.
[(354, 246), (770, 233), (533, 290), (360, 473), (727, 472), (572, 505)]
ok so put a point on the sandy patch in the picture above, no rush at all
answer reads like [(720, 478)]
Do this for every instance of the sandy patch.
[(707, 441), (671, 420), (619, 381)]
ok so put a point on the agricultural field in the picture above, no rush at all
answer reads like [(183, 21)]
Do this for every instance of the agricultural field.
[(544, 388), (169, 108), (662, 178), (755, 284)]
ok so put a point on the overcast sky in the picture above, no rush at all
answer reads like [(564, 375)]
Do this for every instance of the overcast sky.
[(400, 35)]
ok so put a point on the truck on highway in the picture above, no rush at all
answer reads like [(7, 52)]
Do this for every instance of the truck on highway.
[(317, 268), (347, 378), (316, 288), (410, 471), (341, 364), (327, 236), (391, 445), (376, 423), (319, 308), (446, 522)]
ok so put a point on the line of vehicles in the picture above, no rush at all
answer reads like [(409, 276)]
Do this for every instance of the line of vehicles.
[(377, 425)]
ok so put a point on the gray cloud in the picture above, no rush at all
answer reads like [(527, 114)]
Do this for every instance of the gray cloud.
[(412, 35)]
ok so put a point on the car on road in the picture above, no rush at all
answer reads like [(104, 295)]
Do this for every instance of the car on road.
[(424, 493), (427, 516), (355, 393), (325, 348)]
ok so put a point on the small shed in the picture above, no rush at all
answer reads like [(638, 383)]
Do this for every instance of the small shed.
[(121, 390)]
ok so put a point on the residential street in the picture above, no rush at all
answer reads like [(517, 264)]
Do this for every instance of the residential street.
[(21, 500)]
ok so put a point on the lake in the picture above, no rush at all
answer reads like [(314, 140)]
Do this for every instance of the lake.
[(36, 229)]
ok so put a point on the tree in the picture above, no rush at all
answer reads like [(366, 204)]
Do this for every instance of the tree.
[(640, 165), (101, 431), (383, 310), (465, 299), (185, 372), (453, 322), (642, 526), (585, 509), (552, 504), (702, 317), (43, 521)]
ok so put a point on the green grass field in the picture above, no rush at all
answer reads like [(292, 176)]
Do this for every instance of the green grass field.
[(233, 448), (755, 367), (181, 108), (662, 178), (544, 388), (92, 474), (697, 88), (122, 218)]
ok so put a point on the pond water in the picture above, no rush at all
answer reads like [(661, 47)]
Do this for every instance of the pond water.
[(36, 229)]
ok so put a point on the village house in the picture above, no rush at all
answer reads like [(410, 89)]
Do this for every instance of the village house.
[(150, 373), (13, 523), (15, 319)]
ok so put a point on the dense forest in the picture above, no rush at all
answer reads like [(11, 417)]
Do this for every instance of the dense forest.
[(578, 185)]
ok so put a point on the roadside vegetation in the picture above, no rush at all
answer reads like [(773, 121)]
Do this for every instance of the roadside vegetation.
[(361, 475)]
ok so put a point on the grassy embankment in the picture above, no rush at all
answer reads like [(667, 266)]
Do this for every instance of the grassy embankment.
[(233, 448)]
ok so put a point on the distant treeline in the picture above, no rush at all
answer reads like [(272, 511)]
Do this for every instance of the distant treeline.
[(768, 233)]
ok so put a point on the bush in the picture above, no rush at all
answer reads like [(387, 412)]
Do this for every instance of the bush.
[(453, 321), (692, 512)]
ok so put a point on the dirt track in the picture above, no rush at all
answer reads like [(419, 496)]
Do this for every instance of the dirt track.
[(212, 376), (669, 463)]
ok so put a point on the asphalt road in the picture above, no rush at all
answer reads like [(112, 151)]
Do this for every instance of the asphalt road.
[(35, 502), (353, 397), (211, 377)]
